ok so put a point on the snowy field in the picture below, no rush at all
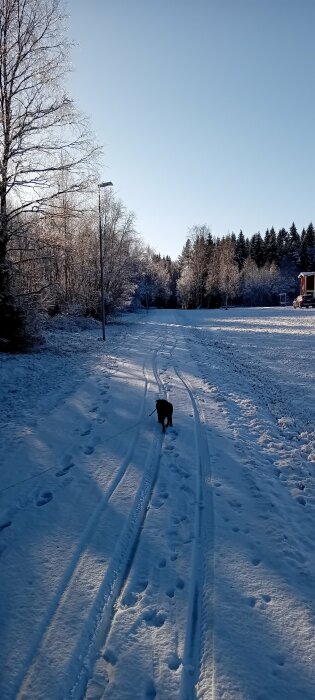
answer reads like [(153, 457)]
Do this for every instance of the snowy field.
[(135, 565)]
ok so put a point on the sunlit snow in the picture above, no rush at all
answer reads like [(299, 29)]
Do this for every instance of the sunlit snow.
[(137, 565)]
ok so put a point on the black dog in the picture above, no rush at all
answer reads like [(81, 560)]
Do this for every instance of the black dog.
[(164, 411)]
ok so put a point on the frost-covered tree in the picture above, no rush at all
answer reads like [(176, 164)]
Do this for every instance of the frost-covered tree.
[(39, 122), (223, 272), (260, 285), (154, 286), (120, 245), (195, 256), (186, 288)]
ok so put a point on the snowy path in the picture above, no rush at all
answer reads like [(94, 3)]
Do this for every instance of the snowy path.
[(181, 566)]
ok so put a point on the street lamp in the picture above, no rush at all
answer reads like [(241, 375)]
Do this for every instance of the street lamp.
[(102, 184)]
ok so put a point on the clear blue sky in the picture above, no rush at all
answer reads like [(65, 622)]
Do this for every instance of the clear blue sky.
[(205, 109)]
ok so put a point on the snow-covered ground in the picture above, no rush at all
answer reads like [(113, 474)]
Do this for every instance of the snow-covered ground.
[(139, 566)]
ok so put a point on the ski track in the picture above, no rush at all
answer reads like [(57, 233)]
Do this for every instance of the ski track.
[(33, 667), (200, 605), (197, 632), (93, 677)]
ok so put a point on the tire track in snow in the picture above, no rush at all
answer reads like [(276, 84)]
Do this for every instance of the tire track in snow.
[(200, 625)]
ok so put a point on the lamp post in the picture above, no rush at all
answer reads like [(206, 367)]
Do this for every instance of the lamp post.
[(102, 184)]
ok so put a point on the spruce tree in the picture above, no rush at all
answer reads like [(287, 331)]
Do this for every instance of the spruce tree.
[(257, 252), (241, 252), (294, 244), (307, 249), (282, 243), (271, 252)]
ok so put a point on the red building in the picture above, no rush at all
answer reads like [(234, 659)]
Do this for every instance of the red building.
[(306, 297)]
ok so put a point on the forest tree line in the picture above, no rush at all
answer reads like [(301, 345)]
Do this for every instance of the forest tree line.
[(234, 269)]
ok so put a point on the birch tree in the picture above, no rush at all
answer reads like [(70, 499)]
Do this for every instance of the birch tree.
[(223, 273), (38, 119)]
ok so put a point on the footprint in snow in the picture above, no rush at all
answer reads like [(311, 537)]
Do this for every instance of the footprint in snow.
[(44, 498), (256, 561), (131, 597), (252, 601), (279, 659), (301, 500), (170, 592), (86, 431), (174, 662), (150, 692), (266, 598), (67, 460), (153, 618), (6, 524), (89, 449), (180, 584), (162, 563), (65, 469), (110, 656), (235, 504), (156, 503)]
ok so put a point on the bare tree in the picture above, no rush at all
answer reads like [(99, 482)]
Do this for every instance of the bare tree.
[(38, 119), (223, 273), (260, 285), (185, 288), (120, 248), (199, 259)]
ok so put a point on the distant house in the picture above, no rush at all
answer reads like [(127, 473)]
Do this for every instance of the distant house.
[(307, 282), (306, 297)]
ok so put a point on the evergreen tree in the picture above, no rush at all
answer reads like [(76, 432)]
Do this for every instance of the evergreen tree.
[(173, 274), (257, 252), (307, 249), (240, 250), (294, 244), (282, 243), (185, 256), (271, 251), (209, 247)]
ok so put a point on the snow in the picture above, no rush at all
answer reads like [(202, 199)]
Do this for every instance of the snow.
[(137, 565)]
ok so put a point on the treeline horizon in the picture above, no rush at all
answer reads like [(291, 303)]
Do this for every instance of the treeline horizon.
[(211, 271)]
